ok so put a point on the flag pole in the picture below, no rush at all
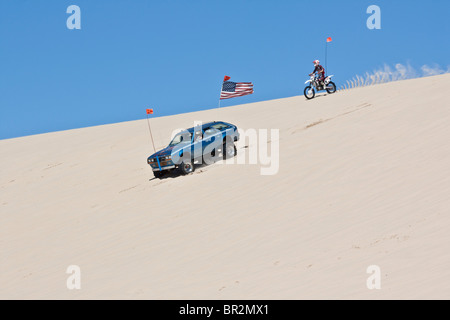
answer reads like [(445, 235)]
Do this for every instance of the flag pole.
[(220, 94), (218, 107), (150, 130), (326, 52), (226, 78)]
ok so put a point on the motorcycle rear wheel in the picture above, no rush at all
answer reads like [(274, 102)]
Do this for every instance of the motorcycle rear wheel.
[(331, 87)]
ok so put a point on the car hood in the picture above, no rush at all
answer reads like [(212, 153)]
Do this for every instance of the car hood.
[(167, 151)]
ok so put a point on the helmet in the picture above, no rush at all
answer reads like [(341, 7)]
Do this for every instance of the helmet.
[(316, 62)]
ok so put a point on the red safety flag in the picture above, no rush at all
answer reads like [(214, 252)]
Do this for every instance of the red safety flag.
[(149, 111), (226, 78), (329, 39)]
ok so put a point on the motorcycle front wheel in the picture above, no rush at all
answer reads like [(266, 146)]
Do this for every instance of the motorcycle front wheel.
[(309, 92), (331, 87)]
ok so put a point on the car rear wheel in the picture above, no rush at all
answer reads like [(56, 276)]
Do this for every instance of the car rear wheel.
[(229, 150)]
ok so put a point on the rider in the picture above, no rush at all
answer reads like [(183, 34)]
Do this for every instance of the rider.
[(320, 71)]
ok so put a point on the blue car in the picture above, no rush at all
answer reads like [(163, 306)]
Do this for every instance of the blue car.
[(205, 143)]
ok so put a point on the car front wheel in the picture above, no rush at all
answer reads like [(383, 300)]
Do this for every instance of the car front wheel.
[(187, 167), (158, 174)]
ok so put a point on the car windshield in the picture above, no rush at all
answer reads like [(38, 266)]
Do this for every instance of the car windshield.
[(180, 137)]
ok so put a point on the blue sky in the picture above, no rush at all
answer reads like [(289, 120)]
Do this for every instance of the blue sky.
[(172, 55)]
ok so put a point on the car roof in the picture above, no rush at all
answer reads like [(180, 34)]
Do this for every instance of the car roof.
[(206, 125)]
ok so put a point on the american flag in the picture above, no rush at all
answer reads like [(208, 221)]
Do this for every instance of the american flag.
[(235, 89)]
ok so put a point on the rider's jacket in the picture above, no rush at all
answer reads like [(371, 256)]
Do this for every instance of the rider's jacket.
[(320, 70)]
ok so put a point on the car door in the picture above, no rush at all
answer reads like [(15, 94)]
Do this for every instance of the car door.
[(208, 137), (197, 143), (212, 138)]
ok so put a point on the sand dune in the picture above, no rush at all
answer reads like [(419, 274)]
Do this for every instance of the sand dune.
[(364, 179)]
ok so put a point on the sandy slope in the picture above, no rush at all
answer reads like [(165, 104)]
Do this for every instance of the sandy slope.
[(364, 179)]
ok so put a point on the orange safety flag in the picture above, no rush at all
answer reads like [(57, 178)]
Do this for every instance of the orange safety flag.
[(226, 78), (329, 39), (149, 111)]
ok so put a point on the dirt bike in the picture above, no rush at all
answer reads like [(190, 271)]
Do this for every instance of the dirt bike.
[(315, 85)]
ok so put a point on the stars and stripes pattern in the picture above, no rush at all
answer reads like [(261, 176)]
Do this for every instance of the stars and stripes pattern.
[(235, 89)]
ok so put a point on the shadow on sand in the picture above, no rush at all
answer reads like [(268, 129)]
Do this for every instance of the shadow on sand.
[(175, 173), (319, 95)]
